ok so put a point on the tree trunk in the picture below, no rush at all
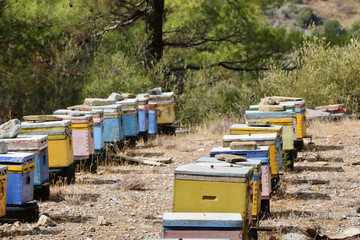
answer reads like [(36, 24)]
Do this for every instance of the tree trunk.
[(154, 22)]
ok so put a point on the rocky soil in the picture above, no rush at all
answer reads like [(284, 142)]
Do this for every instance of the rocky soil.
[(127, 201)]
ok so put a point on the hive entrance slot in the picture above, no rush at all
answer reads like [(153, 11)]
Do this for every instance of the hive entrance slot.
[(209, 197)]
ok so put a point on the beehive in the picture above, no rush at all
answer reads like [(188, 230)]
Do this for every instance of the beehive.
[(143, 113), (130, 109), (152, 119), (20, 182), (37, 144), (59, 133), (203, 225), (113, 123), (3, 183), (165, 107)]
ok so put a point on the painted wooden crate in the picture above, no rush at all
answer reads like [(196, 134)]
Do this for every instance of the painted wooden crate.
[(98, 118), (203, 225), (3, 189), (113, 123), (212, 189), (165, 107), (130, 109), (82, 134), (37, 144), (143, 113), (285, 119), (269, 140), (152, 119), (59, 133), (241, 129), (20, 183), (255, 192)]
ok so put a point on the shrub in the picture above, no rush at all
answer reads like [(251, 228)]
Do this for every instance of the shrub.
[(305, 17), (333, 27), (355, 29), (318, 31)]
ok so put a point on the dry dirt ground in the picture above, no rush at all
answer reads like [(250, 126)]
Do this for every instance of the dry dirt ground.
[(322, 192)]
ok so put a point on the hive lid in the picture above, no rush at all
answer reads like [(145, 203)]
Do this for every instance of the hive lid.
[(264, 160), (259, 128), (17, 158), (259, 152), (129, 102), (108, 109), (162, 96), (77, 119), (29, 125), (268, 115), (253, 137), (206, 161), (27, 142), (193, 169), (203, 220)]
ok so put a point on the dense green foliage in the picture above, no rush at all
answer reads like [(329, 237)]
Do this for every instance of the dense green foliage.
[(326, 75), (305, 17)]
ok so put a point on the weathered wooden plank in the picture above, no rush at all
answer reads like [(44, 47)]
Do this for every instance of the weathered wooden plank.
[(42, 118), (250, 115)]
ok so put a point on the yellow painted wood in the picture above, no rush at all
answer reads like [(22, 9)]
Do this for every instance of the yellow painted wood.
[(204, 196), (3, 181), (20, 169), (166, 113), (300, 126), (256, 199), (60, 152), (247, 130), (287, 132), (273, 161), (51, 129), (82, 126)]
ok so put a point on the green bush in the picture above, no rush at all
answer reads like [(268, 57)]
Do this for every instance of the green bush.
[(318, 31), (333, 27), (355, 29), (306, 17)]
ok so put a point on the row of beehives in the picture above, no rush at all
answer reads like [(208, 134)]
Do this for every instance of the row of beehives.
[(224, 195), (49, 147)]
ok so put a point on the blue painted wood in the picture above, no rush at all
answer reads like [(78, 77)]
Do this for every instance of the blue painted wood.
[(259, 152), (268, 115), (17, 158), (131, 128), (41, 172), (112, 130), (143, 116), (152, 122), (99, 137), (203, 220)]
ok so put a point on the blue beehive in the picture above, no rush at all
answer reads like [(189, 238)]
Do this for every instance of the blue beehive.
[(143, 113), (259, 152), (113, 123), (130, 117), (20, 184), (37, 144), (152, 119)]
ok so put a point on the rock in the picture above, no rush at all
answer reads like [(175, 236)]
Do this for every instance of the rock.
[(98, 101), (230, 158), (10, 129), (101, 221), (271, 108), (269, 101), (155, 91), (251, 145), (45, 221), (129, 95), (116, 96), (3, 147), (343, 217), (91, 229), (17, 223), (294, 236), (340, 142), (80, 107), (259, 123)]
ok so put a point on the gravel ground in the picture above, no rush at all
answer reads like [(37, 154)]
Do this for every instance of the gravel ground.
[(323, 191)]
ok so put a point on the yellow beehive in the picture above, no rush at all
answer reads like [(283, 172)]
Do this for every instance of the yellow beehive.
[(59, 133), (165, 107), (301, 126)]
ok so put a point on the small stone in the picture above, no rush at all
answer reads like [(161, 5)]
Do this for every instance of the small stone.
[(128, 95), (251, 145), (45, 221), (91, 229), (3, 147), (343, 217), (10, 129), (155, 91), (340, 142), (101, 221), (116, 96), (230, 158), (17, 223), (294, 236)]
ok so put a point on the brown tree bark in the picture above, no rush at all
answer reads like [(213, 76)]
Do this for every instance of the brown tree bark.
[(154, 24)]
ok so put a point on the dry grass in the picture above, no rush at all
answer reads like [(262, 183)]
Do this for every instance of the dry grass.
[(132, 181)]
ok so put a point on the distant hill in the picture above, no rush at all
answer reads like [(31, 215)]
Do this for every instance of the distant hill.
[(345, 11)]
